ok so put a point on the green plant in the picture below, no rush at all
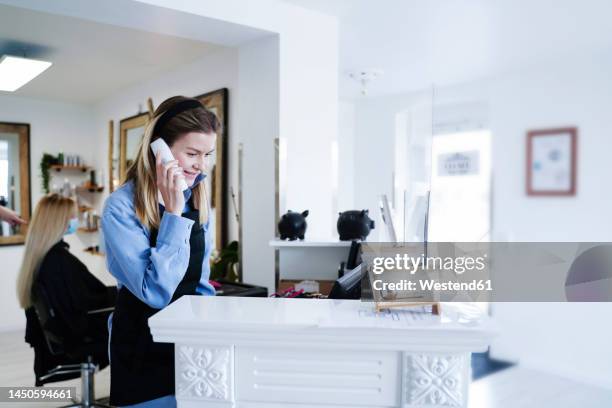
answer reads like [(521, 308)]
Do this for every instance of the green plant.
[(223, 266), (45, 163)]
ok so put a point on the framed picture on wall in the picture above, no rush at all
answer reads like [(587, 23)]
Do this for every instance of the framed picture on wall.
[(551, 162)]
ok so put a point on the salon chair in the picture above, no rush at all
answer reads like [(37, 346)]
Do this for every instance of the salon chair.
[(79, 355)]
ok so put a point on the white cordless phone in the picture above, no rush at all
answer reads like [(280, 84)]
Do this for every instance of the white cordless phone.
[(161, 147)]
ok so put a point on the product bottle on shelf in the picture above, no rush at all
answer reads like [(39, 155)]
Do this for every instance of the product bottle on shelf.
[(66, 188)]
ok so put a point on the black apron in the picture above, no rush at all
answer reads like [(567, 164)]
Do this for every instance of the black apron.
[(142, 370)]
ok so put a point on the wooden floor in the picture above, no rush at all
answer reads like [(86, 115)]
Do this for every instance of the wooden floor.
[(514, 387)]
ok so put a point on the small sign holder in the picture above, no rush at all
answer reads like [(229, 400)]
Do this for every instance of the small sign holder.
[(435, 306)]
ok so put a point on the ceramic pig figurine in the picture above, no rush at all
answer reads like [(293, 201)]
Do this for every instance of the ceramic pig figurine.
[(354, 224), (293, 225)]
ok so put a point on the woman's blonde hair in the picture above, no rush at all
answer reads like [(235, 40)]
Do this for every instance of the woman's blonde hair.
[(143, 170), (46, 228)]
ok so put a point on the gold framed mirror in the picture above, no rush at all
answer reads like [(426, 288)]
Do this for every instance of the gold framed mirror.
[(131, 131), (113, 160), (15, 178), (217, 102)]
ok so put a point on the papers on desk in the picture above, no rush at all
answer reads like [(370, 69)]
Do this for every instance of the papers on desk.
[(417, 317), (406, 316), (366, 316)]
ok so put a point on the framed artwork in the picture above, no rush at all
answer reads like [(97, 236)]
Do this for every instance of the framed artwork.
[(217, 102), (551, 162)]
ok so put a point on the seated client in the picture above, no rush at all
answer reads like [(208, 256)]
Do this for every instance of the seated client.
[(70, 289)]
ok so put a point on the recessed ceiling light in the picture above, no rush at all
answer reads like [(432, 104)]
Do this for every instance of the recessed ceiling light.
[(15, 72)]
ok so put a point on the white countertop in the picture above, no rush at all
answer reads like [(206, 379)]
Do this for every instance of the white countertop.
[(317, 321)]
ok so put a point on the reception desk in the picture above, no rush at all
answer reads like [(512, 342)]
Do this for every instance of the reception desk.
[(266, 352)]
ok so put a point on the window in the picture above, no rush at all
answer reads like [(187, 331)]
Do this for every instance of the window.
[(460, 198)]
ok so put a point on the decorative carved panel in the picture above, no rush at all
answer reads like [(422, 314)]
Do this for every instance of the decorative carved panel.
[(204, 372), (435, 380)]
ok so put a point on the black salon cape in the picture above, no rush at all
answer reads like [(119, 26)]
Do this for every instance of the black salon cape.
[(72, 291)]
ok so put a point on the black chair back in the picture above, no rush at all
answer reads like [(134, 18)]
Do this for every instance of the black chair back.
[(49, 320)]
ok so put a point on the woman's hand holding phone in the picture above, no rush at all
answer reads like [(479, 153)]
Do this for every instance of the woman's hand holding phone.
[(168, 176)]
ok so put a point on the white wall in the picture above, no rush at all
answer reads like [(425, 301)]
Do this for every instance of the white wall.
[(53, 126), (573, 94), (258, 127), (375, 126), (309, 117), (568, 339), (576, 95), (346, 157)]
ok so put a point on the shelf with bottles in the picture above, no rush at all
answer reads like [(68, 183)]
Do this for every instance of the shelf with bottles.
[(70, 161), (87, 230), (85, 208), (60, 167), (94, 250), (89, 187), (73, 163), (69, 189), (90, 222)]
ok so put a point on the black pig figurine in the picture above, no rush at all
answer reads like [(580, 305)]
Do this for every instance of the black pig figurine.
[(292, 225), (354, 224)]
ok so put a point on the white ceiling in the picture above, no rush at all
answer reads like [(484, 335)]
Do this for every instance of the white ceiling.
[(90, 60), (422, 42)]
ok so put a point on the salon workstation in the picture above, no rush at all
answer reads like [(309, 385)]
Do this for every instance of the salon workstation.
[(225, 203)]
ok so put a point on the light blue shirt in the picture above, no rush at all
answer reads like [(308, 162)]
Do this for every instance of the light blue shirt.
[(152, 274)]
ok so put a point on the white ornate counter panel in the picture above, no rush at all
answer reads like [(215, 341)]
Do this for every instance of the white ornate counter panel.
[(272, 353)]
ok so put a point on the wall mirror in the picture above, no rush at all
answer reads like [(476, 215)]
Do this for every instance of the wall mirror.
[(14, 178), (131, 131), (217, 102)]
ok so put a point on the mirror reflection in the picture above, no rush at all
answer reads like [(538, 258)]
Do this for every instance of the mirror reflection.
[(14, 179), (131, 131)]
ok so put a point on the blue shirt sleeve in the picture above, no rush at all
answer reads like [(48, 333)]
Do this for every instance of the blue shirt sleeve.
[(152, 274)]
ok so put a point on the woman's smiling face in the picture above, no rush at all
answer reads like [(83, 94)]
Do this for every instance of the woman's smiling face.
[(194, 151)]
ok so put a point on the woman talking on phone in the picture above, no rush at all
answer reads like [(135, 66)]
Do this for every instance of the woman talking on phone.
[(158, 247)]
